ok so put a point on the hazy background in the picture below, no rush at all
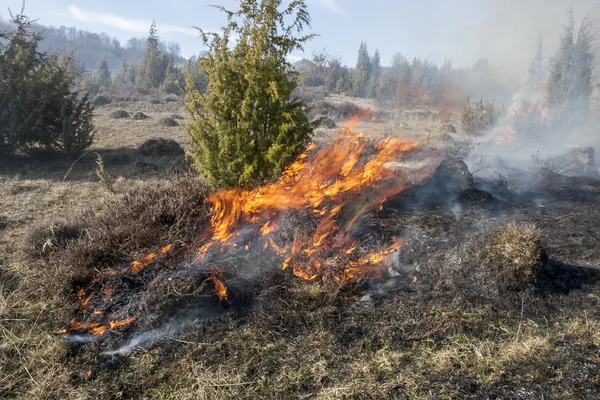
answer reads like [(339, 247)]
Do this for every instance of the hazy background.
[(506, 31)]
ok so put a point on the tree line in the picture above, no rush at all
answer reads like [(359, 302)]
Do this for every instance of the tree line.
[(246, 124)]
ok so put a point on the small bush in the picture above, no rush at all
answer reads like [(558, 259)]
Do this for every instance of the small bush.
[(119, 114), (168, 122), (101, 100), (530, 123), (491, 267), (335, 111), (479, 117), (512, 255), (143, 219), (39, 104), (160, 147), (138, 116)]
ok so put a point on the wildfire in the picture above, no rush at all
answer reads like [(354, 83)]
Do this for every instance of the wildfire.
[(220, 288), (323, 183), (94, 328), (332, 186)]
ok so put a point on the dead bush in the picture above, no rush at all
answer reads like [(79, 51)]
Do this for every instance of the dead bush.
[(168, 122), (138, 116), (504, 261), (101, 100), (160, 147), (512, 255), (478, 117), (119, 114), (334, 111), (139, 221)]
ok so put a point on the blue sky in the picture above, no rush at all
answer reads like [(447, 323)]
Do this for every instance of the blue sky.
[(505, 31)]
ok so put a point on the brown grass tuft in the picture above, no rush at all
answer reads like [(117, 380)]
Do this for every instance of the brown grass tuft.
[(168, 122), (119, 114), (512, 254)]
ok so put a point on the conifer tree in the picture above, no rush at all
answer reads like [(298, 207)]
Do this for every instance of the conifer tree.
[(151, 69), (103, 73), (375, 68), (246, 127), (570, 80), (40, 106), (537, 70), (362, 73)]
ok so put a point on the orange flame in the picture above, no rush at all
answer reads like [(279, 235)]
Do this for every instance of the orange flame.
[(220, 288), (324, 183), (336, 185), (137, 266)]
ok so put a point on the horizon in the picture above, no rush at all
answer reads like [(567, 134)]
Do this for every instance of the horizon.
[(463, 32)]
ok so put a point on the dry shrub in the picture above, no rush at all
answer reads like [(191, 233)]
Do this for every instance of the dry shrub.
[(101, 100), (512, 255), (141, 220), (161, 147), (504, 261), (168, 122), (335, 111), (118, 114), (138, 116), (479, 117)]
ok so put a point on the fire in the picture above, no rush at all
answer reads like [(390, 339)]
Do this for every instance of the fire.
[(116, 324), (324, 183), (220, 288), (137, 266), (94, 328), (332, 186)]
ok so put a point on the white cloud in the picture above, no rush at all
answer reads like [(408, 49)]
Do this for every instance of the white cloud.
[(134, 25), (333, 5)]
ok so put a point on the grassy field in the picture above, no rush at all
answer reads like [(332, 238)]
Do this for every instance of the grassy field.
[(448, 329)]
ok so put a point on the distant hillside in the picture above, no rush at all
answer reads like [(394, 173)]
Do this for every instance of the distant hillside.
[(303, 65), (91, 48)]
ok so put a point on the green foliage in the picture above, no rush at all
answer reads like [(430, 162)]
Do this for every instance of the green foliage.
[(39, 106), (375, 68), (124, 76), (104, 73), (478, 117), (571, 69), (151, 71), (338, 76), (245, 128), (362, 72)]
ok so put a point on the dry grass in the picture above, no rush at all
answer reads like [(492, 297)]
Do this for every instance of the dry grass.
[(295, 339)]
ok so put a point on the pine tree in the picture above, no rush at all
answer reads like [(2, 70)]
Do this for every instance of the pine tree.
[(375, 68), (246, 128), (151, 70), (338, 76), (537, 70), (362, 73), (104, 73), (40, 105), (570, 80)]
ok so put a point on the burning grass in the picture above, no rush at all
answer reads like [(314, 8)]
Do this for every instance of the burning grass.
[(226, 322)]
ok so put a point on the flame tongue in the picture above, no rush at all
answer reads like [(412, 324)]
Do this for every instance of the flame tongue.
[(332, 187), (323, 183)]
